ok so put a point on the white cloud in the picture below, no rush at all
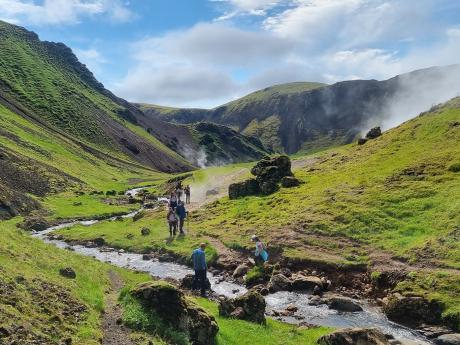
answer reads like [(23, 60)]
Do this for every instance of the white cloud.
[(92, 58), (62, 11)]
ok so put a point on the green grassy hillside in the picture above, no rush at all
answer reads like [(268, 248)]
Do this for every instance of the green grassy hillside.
[(45, 83)]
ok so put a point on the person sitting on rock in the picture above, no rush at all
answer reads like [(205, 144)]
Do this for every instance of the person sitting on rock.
[(172, 221), (181, 214), (173, 200), (261, 255), (200, 267)]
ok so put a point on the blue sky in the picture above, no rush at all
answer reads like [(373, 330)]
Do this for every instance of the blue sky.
[(201, 53)]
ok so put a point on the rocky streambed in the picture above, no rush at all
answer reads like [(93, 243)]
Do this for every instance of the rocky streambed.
[(291, 307)]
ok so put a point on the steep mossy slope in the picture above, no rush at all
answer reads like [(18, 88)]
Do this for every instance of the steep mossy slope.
[(45, 83)]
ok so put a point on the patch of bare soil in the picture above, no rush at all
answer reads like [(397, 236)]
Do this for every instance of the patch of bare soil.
[(114, 332)]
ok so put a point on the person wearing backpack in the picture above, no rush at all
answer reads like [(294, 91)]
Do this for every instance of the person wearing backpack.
[(181, 214), (171, 217), (260, 254), (199, 265)]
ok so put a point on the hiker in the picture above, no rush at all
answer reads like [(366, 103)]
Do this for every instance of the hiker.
[(179, 192), (181, 214), (261, 255), (199, 265), (187, 194), (173, 200), (172, 221)]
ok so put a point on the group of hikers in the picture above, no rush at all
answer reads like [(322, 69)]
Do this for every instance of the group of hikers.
[(177, 212), (176, 216)]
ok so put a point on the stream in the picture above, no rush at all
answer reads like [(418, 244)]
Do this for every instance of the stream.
[(321, 315)]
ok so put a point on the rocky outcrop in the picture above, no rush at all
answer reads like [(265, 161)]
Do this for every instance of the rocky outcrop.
[(412, 311), (268, 172), (355, 336), (344, 304), (249, 307), (176, 311), (240, 271)]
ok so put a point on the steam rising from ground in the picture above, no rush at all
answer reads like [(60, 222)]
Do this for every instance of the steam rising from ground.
[(418, 92), (198, 157)]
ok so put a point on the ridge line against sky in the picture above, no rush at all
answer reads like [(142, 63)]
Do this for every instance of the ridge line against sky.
[(202, 53)]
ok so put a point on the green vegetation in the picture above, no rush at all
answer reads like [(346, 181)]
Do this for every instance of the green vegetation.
[(455, 167), (239, 332), (33, 293), (126, 234)]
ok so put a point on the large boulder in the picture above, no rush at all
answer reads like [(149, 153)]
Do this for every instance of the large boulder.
[(355, 336), (412, 311), (242, 189), (177, 312), (344, 304), (273, 168), (249, 307), (374, 133), (240, 271), (448, 339), (279, 282), (308, 283)]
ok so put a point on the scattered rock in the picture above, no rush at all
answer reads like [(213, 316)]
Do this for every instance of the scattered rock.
[(187, 282), (145, 231), (448, 339), (35, 223), (374, 133), (301, 282), (290, 181), (99, 241), (412, 311), (240, 271), (279, 282), (315, 301), (292, 308), (252, 304), (170, 304), (355, 336), (68, 272), (344, 304), (362, 141)]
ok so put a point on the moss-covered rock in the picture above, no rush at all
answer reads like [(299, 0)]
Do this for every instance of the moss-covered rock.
[(250, 307), (175, 310)]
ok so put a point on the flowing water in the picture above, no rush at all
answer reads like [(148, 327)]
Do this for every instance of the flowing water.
[(318, 315)]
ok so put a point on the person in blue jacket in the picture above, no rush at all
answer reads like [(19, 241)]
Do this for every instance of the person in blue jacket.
[(181, 214), (260, 254), (200, 267)]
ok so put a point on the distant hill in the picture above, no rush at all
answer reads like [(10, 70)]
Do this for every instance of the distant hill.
[(309, 116)]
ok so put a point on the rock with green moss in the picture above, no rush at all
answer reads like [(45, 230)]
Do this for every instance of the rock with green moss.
[(250, 307), (176, 311), (412, 311)]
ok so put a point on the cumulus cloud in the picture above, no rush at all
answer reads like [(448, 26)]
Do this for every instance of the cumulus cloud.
[(62, 11), (290, 40)]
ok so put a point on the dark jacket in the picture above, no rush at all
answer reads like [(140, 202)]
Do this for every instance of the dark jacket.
[(199, 259), (181, 212)]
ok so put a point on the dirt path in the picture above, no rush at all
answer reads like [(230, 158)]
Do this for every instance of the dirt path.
[(114, 332)]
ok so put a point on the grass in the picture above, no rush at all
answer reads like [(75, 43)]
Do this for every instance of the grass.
[(239, 332), (126, 234)]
